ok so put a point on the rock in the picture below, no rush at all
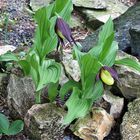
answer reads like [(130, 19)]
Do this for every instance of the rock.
[(20, 94), (92, 4), (2, 4), (96, 18), (44, 122), (76, 22), (3, 84), (129, 79), (130, 127), (6, 48), (95, 126), (122, 25), (63, 79), (71, 66), (116, 102), (36, 4), (135, 39)]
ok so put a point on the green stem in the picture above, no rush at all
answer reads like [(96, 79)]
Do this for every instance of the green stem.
[(38, 97)]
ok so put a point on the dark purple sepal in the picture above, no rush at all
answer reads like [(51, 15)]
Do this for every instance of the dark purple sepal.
[(112, 72), (64, 28), (98, 77)]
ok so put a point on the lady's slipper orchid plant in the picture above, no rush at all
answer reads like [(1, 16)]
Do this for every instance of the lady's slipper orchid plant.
[(63, 31)]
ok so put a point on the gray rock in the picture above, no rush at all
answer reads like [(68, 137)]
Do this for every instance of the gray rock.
[(6, 48), (116, 103), (135, 39), (44, 122), (130, 127), (129, 79), (75, 21), (20, 94), (95, 126), (92, 4), (71, 66), (122, 25), (95, 18), (36, 4), (3, 84)]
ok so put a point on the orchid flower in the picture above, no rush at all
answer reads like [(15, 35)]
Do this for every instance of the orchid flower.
[(63, 31), (108, 75)]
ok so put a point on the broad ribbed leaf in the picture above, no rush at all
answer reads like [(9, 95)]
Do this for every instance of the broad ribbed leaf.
[(42, 17), (34, 72), (78, 54), (89, 65), (49, 72), (63, 8), (106, 36), (45, 40), (109, 60), (25, 66), (98, 90), (49, 45), (67, 87), (95, 51), (9, 56), (15, 127), (107, 30), (77, 107), (106, 47), (94, 91), (0, 131), (4, 123), (129, 62), (52, 91)]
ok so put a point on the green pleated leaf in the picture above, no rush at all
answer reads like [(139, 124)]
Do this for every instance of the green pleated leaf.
[(25, 66), (49, 45), (67, 87), (109, 60), (45, 39), (78, 54), (95, 51), (107, 30), (0, 131), (4, 123), (106, 47), (106, 37), (15, 127), (77, 107), (63, 8), (98, 90), (42, 17), (52, 91), (9, 56), (89, 65), (34, 71), (129, 62), (49, 72)]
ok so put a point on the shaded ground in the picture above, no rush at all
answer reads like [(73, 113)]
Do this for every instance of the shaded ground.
[(17, 24)]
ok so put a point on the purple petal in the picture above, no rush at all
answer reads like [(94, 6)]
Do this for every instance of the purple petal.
[(74, 41), (112, 72), (64, 28), (97, 77)]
